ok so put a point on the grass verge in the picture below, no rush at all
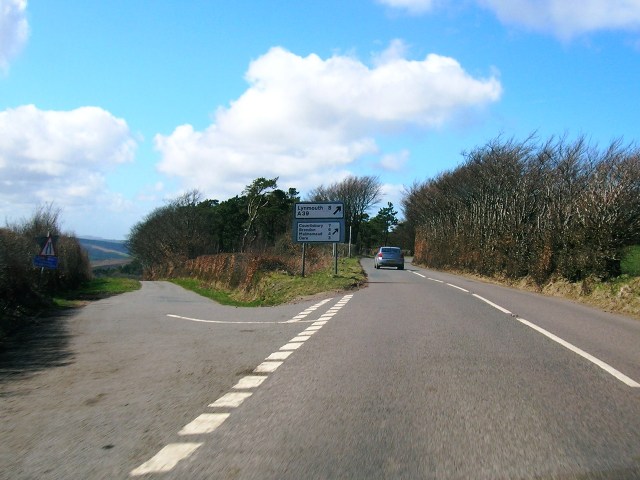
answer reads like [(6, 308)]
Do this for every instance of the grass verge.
[(276, 288), (221, 296), (94, 290), (630, 263)]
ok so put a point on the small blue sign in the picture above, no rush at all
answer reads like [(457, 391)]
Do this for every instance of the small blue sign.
[(48, 261)]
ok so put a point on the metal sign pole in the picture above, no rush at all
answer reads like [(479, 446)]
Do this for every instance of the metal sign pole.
[(304, 256)]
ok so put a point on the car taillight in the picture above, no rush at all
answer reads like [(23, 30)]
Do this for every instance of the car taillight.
[(380, 255)]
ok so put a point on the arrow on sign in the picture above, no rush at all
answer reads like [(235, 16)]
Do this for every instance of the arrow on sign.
[(338, 209)]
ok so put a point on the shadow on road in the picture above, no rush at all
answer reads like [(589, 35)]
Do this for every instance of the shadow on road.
[(43, 344)]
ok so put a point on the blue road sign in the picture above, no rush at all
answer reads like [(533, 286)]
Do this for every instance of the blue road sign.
[(45, 261)]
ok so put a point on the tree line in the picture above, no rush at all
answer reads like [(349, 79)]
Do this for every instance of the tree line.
[(258, 220), (530, 208)]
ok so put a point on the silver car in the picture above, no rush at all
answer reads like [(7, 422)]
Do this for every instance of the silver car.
[(389, 257)]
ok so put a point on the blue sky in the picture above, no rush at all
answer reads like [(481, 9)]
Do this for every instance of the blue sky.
[(109, 109)]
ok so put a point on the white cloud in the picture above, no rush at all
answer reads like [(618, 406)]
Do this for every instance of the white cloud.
[(60, 157), (14, 30), (393, 193), (412, 6), (394, 162), (568, 19), (563, 18), (306, 119)]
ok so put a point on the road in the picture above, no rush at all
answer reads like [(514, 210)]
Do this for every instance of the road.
[(421, 374)]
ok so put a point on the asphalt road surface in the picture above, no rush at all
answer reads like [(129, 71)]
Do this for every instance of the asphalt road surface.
[(419, 375)]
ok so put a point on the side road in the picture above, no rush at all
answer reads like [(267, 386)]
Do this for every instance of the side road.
[(104, 386)]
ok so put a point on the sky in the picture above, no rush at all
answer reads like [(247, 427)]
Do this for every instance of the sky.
[(108, 110)]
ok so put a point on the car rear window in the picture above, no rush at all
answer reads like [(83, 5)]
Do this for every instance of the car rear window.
[(391, 250)]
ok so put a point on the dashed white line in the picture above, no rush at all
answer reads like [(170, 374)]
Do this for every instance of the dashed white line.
[(300, 338), (279, 356), (250, 381), (267, 367), (231, 399), (205, 423), (419, 274), (434, 280), (166, 459)]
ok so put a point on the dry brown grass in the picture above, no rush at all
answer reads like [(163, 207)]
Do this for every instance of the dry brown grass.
[(621, 295), (240, 271)]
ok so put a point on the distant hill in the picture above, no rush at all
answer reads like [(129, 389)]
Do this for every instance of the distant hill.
[(105, 252)]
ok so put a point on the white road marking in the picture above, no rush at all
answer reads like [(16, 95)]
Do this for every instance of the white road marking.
[(419, 274), (205, 423), (605, 366), (291, 346), (596, 361), (308, 311), (296, 319), (229, 322), (231, 399), (299, 338), (250, 381), (166, 459), (279, 356), (488, 302), (434, 280), (267, 367), (459, 288), (217, 321)]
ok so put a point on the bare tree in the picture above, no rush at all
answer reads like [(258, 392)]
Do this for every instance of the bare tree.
[(359, 194), (257, 199), (524, 208)]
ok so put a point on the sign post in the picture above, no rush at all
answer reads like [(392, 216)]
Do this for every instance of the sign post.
[(318, 222)]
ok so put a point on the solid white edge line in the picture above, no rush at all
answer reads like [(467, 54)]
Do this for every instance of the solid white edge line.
[(217, 321), (166, 459), (503, 310), (605, 366)]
